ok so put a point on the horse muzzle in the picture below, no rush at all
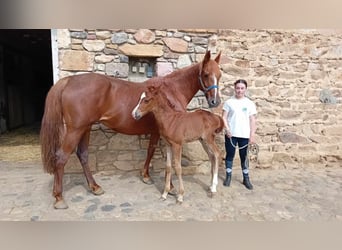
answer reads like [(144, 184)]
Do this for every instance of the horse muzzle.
[(136, 115), (213, 102)]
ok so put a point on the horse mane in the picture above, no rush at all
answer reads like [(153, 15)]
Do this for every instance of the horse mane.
[(168, 92), (167, 85), (186, 70), (164, 97)]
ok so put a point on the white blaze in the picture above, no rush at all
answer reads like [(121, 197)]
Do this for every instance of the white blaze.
[(215, 89), (143, 95)]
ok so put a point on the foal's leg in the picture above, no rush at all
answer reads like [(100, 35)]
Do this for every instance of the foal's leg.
[(82, 154), (150, 151), (177, 156), (167, 185), (69, 143), (213, 153)]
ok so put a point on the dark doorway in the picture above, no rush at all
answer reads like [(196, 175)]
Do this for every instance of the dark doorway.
[(26, 75)]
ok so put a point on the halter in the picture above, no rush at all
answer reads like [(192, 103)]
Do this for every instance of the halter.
[(205, 90)]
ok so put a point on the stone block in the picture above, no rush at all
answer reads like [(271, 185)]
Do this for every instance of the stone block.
[(163, 68), (74, 166), (335, 130), (98, 138), (104, 58), (94, 45), (124, 142), (64, 39), (288, 137), (176, 44), (144, 36), (107, 156), (119, 38), (117, 69), (75, 60), (194, 151), (141, 50), (183, 61), (127, 165)]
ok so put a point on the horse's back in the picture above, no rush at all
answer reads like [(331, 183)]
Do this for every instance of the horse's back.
[(213, 120), (92, 97), (87, 82)]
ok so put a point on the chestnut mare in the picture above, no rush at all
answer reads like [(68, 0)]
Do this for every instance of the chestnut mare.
[(177, 128), (76, 102)]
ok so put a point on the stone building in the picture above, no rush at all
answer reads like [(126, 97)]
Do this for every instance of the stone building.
[(294, 76)]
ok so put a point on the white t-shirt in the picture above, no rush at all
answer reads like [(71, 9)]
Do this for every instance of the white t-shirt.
[(239, 111)]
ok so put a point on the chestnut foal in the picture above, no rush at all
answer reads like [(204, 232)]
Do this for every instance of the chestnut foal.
[(177, 128)]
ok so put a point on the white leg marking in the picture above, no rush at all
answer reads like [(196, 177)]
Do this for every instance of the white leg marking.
[(168, 156), (214, 184)]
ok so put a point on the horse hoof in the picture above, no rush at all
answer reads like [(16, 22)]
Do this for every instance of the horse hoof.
[(98, 191), (147, 180), (60, 205), (179, 199), (164, 196), (173, 192)]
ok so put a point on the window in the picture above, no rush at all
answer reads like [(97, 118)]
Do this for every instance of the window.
[(140, 69)]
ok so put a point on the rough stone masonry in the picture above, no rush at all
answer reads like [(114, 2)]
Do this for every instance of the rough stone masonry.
[(294, 76)]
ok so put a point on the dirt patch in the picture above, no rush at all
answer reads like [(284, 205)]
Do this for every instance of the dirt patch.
[(20, 145)]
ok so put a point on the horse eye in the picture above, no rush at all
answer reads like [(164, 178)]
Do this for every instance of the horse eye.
[(206, 75)]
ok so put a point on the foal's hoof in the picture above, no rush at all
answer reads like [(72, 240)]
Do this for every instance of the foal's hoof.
[(147, 180), (60, 204), (179, 201), (163, 196), (173, 192), (97, 191), (210, 194)]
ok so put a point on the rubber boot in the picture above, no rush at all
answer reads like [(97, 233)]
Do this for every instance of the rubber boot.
[(227, 180), (247, 183), (229, 165)]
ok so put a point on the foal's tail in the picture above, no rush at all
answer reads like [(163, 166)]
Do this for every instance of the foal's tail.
[(52, 126)]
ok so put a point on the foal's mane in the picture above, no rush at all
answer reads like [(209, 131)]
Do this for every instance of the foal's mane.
[(163, 97), (176, 81), (158, 91)]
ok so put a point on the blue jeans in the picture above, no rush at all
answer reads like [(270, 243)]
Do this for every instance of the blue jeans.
[(230, 145)]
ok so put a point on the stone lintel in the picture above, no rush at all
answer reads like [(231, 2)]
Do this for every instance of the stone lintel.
[(142, 50)]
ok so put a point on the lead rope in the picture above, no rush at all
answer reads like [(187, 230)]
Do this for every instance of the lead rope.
[(253, 150)]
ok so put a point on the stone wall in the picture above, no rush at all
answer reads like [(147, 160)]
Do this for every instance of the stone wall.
[(294, 76)]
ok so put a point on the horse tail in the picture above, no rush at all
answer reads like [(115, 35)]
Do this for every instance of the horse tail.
[(52, 126), (220, 125)]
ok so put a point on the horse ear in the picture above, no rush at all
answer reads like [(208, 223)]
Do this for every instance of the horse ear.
[(153, 86), (206, 57), (205, 60), (218, 57), (152, 89)]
